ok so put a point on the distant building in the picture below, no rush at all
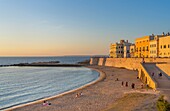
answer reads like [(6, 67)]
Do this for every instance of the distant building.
[(154, 47), (142, 46), (164, 46), (127, 49), (132, 50), (120, 50)]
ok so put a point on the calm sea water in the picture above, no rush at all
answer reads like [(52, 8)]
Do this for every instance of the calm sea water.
[(62, 59), (20, 85)]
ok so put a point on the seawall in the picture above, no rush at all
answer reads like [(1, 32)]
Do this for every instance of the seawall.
[(128, 63), (133, 64)]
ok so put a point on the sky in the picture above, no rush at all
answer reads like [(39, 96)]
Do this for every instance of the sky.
[(76, 27)]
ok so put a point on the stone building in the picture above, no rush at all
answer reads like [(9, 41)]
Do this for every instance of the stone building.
[(132, 50), (120, 50), (164, 46)]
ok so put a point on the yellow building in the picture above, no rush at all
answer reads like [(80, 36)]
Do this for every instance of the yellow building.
[(113, 48), (154, 47), (142, 46), (164, 46)]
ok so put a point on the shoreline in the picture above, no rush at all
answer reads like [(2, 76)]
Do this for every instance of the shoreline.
[(100, 95), (101, 77)]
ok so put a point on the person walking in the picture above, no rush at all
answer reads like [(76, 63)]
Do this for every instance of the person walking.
[(133, 85), (126, 84), (122, 83), (160, 75)]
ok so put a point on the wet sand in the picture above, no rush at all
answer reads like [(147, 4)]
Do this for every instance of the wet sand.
[(100, 95)]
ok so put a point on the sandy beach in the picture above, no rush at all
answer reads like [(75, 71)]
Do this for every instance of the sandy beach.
[(106, 94)]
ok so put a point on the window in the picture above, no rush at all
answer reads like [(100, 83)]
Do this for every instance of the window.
[(127, 51), (168, 46), (161, 46), (164, 46), (147, 48)]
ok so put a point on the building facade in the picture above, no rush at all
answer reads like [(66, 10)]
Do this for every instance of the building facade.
[(117, 50), (127, 50), (164, 46), (142, 46), (154, 47), (132, 50), (113, 51)]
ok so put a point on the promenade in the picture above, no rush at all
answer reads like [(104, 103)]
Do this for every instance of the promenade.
[(162, 82)]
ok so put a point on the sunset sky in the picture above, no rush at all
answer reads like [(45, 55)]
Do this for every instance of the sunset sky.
[(76, 27)]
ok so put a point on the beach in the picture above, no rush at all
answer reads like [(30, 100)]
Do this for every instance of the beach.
[(105, 94)]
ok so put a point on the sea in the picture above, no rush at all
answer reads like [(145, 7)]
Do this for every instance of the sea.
[(20, 85)]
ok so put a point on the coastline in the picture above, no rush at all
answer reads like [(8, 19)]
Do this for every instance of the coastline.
[(101, 77), (99, 95)]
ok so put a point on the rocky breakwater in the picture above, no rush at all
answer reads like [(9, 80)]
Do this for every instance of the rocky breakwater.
[(44, 64)]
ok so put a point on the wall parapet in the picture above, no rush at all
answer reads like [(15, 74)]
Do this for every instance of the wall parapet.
[(128, 63), (146, 78)]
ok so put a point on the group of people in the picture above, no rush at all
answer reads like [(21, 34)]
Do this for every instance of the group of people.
[(159, 75), (126, 84), (46, 103), (79, 94)]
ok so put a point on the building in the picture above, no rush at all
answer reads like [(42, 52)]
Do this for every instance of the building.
[(153, 47), (164, 46), (116, 50), (142, 46), (113, 50), (120, 50), (127, 49), (132, 50)]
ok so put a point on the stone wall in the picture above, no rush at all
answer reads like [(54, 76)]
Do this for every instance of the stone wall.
[(146, 78), (102, 61), (129, 63), (94, 61), (134, 64)]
